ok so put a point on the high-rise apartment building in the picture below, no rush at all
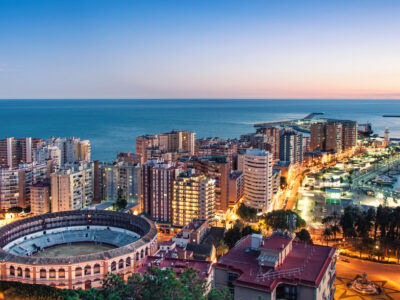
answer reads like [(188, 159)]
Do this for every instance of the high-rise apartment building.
[(174, 141), (40, 198), (350, 134), (72, 149), (236, 187), (46, 153), (72, 187), (333, 139), (15, 184), (158, 178), (194, 197), (258, 179), (17, 151), (291, 146), (120, 176), (275, 134), (216, 147), (333, 136), (215, 167)]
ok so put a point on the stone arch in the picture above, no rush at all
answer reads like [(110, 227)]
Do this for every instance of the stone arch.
[(96, 269), (88, 270), (113, 266)]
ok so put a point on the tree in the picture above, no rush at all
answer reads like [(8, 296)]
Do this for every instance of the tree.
[(224, 294), (332, 222), (327, 234), (222, 248), (232, 236), (236, 233), (15, 209), (27, 209), (303, 236), (278, 219), (121, 200), (246, 212)]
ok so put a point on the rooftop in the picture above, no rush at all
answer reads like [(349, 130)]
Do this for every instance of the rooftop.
[(305, 263), (178, 265)]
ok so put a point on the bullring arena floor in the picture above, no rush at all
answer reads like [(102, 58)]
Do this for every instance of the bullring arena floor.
[(72, 250)]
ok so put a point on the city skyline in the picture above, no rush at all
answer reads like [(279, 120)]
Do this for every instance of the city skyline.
[(207, 49)]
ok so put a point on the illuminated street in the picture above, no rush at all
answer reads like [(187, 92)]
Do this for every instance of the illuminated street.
[(386, 275)]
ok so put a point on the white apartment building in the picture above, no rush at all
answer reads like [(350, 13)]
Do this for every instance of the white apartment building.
[(258, 179)]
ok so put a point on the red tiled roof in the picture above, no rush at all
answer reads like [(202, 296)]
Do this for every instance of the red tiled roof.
[(306, 263)]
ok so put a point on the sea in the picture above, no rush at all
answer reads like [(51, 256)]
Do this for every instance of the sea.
[(112, 125)]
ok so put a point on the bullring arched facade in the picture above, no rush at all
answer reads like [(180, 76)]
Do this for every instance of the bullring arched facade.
[(82, 271)]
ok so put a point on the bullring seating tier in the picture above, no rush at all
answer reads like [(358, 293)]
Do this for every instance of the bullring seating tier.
[(30, 244)]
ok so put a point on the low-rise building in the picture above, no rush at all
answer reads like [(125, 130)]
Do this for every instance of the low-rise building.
[(277, 267)]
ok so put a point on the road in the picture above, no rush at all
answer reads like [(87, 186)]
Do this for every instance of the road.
[(385, 275)]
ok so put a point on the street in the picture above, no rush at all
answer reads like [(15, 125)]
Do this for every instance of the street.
[(387, 276)]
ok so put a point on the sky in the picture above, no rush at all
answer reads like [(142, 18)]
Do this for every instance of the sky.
[(199, 49)]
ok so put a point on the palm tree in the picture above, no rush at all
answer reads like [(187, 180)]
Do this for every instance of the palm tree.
[(327, 234)]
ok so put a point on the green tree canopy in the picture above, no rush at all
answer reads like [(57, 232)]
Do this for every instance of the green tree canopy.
[(246, 212), (278, 219)]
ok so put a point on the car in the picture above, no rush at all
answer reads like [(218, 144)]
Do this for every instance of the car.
[(345, 259)]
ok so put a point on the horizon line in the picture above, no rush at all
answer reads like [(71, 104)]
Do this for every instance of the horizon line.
[(208, 98)]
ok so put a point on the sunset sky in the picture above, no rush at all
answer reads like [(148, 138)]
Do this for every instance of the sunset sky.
[(199, 49)]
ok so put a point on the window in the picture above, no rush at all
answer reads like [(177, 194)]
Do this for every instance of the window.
[(12, 271), (78, 272), (113, 266), (121, 264), (19, 272), (61, 273), (42, 273), (52, 273), (88, 270), (27, 273), (128, 262), (96, 269)]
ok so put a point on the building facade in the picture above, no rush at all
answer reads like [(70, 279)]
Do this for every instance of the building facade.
[(148, 146), (120, 176), (258, 179), (14, 152), (72, 187), (194, 198), (291, 146), (40, 198), (277, 267), (15, 184), (158, 178)]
